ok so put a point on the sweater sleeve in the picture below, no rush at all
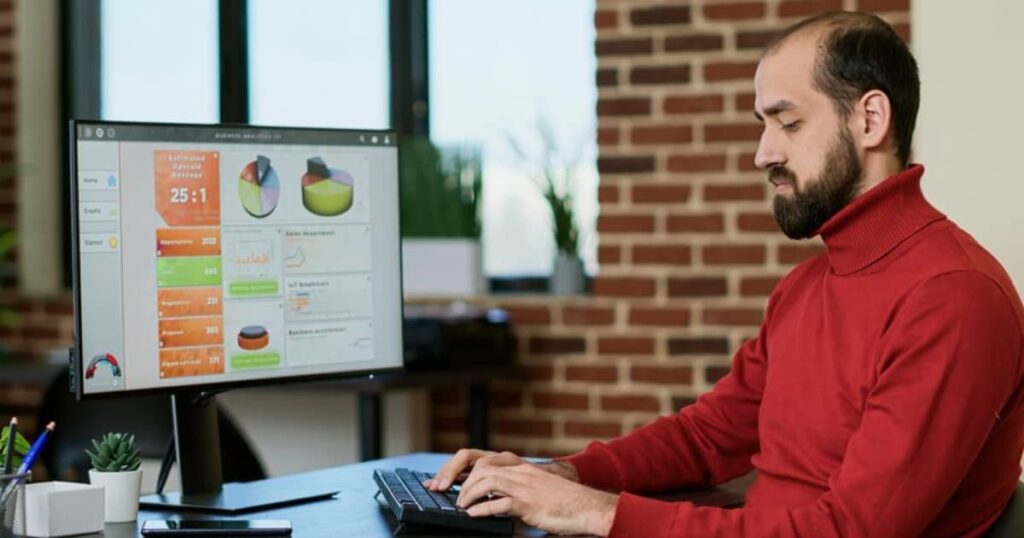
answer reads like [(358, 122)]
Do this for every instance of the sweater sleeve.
[(706, 443), (949, 364)]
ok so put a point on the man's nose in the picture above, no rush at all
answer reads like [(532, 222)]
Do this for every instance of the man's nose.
[(768, 152)]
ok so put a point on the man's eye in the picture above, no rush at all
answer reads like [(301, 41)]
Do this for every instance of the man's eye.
[(791, 127)]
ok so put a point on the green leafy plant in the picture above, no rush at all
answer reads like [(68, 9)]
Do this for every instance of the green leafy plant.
[(115, 452), (21, 447), (440, 190), (554, 175)]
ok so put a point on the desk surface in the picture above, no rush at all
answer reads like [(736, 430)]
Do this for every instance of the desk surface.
[(354, 511)]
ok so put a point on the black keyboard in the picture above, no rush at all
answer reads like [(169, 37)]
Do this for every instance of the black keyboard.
[(412, 503)]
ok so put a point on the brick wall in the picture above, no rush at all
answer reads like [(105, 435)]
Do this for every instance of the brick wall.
[(43, 323), (688, 247)]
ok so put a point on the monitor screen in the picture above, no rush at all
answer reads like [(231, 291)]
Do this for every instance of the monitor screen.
[(217, 255)]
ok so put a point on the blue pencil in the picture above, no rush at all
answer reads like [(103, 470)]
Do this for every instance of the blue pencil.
[(37, 447)]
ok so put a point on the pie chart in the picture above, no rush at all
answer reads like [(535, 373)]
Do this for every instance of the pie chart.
[(259, 188), (326, 191)]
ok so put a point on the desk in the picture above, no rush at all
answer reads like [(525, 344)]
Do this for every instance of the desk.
[(354, 511)]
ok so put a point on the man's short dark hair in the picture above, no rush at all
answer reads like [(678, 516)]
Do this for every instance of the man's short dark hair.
[(860, 52)]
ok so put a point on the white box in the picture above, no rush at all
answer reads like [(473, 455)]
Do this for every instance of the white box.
[(63, 509)]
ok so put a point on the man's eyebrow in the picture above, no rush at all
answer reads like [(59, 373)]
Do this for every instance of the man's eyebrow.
[(774, 110)]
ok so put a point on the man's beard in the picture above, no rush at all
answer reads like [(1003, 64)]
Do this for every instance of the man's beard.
[(811, 206)]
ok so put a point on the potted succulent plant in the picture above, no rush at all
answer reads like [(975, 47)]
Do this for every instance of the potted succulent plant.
[(115, 466)]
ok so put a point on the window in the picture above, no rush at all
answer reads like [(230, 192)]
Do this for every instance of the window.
[(319, 63), (159, 61), (496, 69)]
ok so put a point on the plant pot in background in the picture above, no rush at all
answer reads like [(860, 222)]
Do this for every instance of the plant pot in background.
[(121, 492), (442, 267), (567, 275)]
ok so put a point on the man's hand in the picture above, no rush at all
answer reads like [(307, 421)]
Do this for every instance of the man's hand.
[(468, 459), (540, 498)]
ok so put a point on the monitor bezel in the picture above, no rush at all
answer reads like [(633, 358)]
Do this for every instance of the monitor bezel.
[(77, 363)]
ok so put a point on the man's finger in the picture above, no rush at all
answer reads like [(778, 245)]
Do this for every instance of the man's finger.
[(455, 466), (497, 481), (507, 460), (499, 506)]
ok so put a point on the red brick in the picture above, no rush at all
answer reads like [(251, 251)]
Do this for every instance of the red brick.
[(719, 71), (697, 287), (662, 134), (756, 222), (624, 106), (745, 163), (587, 316), (539, 372), (59, 308), (608, 194), (734, 254), (662, 254), (798, 253), (606, 19), (696, 163), (593, 430), (659, 316), (605, 286), (679, 402), (735, 11), (660, 15), (607, 224), (903, 29), (693, 104), (630, 403), (706, 223), (671, 375), (40, 332), (625, 345), (560, 400), (524, 427), (446, 398), (661, 74), (592, 374), (758, 286), (448, 424), (733, 132), (732, 317), (883, 5), (690, 43), (660, 193), (610, 254), (607, 77), (698, 346), (505, 398), (714, 373), (745, 102), (608, 136), (734, 192), (623, 47), (557, 345), (625, 165), (756, 39), (801, 8), (529, 315)]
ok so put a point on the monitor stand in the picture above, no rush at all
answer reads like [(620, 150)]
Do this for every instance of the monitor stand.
[(197, 445)]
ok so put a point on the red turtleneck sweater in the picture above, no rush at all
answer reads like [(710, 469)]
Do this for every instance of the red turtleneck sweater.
[(882, 396)]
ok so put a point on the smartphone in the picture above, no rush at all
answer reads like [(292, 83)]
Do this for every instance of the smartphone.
[(217, 527)]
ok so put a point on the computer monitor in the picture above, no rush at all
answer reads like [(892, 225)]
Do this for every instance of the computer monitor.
[(214, 256)]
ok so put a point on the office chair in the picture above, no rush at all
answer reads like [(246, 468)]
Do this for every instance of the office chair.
[(147, 417), (1011, 523)]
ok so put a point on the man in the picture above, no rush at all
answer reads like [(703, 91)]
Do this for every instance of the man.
[(883, 394)]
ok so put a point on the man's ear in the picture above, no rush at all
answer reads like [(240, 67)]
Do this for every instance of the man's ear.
[(874, 112)]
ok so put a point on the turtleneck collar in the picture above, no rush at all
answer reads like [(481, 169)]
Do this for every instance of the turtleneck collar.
[(877, 221)]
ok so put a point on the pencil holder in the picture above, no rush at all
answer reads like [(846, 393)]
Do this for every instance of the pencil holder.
[(12, 504)]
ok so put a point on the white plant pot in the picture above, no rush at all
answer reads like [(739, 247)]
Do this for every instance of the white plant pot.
[(566, 276), (121, 493), (442, 267)]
